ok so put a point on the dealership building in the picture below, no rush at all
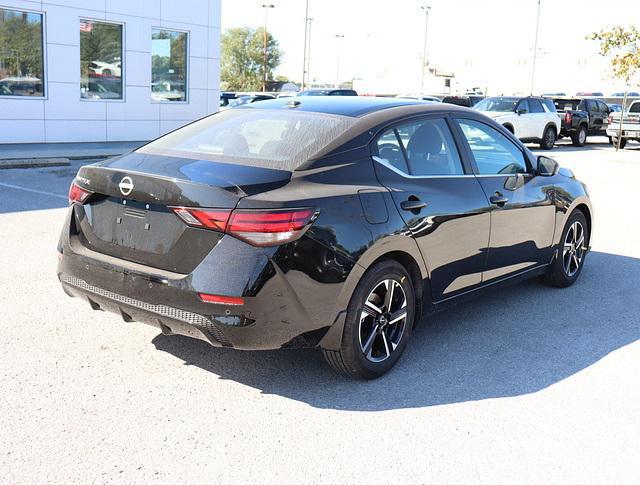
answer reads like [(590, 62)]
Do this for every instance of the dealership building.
[(106, 70)]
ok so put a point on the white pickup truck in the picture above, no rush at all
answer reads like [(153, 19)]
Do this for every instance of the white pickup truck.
[(630, 125)]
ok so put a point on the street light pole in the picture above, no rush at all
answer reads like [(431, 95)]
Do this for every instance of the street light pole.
[(535, 50), (309, 78), (266, 7), (304, 55), (423, 63), (338, 37)]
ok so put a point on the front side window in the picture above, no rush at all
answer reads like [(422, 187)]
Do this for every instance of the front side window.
[(420, 148), (21, 59), (536, 106), (100, 60), (168, 65), (493, 152), (523, 107)]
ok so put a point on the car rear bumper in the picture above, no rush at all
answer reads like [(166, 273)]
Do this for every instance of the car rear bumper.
[(283, 307)]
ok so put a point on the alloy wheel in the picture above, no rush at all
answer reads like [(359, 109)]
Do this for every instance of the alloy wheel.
[(573, 251), (383, 320)]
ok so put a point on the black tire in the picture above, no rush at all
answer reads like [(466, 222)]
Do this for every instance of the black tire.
[(623, 142), (579, 138), (558, 274), (548, 138), (510, 129), (351, 360), (610, 140)]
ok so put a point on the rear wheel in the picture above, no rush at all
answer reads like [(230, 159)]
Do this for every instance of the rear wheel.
[(567, 266), (580, 137), (623, 142), (378, 325), (548, 138)]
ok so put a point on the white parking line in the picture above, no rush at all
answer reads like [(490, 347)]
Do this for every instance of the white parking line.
[(41, 192)]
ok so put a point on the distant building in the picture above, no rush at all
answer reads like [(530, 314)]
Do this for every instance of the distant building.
[(113, 70)]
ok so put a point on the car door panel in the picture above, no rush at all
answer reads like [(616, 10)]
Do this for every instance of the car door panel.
[(451, 229), (523, 217)]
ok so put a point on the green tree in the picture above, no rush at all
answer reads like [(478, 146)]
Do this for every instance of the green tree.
[(622, 46), (242, 65)]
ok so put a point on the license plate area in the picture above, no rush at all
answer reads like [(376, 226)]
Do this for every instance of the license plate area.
[(138, 226)]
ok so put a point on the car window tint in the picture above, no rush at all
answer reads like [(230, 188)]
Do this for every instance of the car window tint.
[(536, 106), (523, 105), (603, 107), (550, 106), (493, 152), (388, 149), (429, 148)]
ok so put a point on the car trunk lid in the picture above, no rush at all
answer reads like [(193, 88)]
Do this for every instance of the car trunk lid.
[(128, 215)]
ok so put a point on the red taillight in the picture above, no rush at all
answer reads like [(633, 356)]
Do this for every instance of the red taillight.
[(568, 118), (78, 194), (221, 300), (610, 119), (215, 219), (257, 227)]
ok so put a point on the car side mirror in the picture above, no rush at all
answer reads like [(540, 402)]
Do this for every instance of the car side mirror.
[(521, 112), (547, 167)]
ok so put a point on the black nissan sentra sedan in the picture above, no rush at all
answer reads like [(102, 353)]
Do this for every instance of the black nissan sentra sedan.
[(325, 222)]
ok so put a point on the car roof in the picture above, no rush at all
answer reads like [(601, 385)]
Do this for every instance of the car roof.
[(354, 106)]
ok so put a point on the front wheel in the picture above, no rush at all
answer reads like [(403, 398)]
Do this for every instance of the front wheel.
[(378, 324), (567, 266), (548, 138)]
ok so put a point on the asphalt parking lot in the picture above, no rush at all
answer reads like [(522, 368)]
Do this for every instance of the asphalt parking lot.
[(531, 385)]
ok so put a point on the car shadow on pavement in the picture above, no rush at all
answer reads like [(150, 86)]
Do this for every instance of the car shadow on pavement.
[(516, 341)]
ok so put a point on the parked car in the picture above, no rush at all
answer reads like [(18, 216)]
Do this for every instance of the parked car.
[(590, 94), (242, 99), (332, 223), (225, 98), (467, 100), (420, 97), (630, 125), (530, 119), (328, 92), (581, 118), (614, 108), (555, 95), (631, 94)]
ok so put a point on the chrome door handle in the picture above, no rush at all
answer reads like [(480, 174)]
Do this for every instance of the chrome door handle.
[(498, 199)]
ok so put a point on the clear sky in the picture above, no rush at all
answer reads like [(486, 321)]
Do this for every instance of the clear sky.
[(486, 43)]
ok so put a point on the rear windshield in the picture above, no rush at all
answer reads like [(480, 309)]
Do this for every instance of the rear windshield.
[(566, 104), (278, 139)]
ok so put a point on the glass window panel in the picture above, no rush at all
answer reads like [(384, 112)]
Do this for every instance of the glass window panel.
[(21, 60), (493, 152), (100, 60), (168, 66)]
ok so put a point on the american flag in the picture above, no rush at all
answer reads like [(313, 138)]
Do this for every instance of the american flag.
[(86, 26)]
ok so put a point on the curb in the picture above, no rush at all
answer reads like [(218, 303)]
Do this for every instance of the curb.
[(34, 162)]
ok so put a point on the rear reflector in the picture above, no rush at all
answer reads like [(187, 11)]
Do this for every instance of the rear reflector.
[(221, 300), (257, 227), (78, 194)]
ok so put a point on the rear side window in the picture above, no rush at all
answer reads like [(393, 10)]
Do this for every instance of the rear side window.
[(549, 104), (493, 152), (536, 106), (275, 139), (420, 148), (635, 108)]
